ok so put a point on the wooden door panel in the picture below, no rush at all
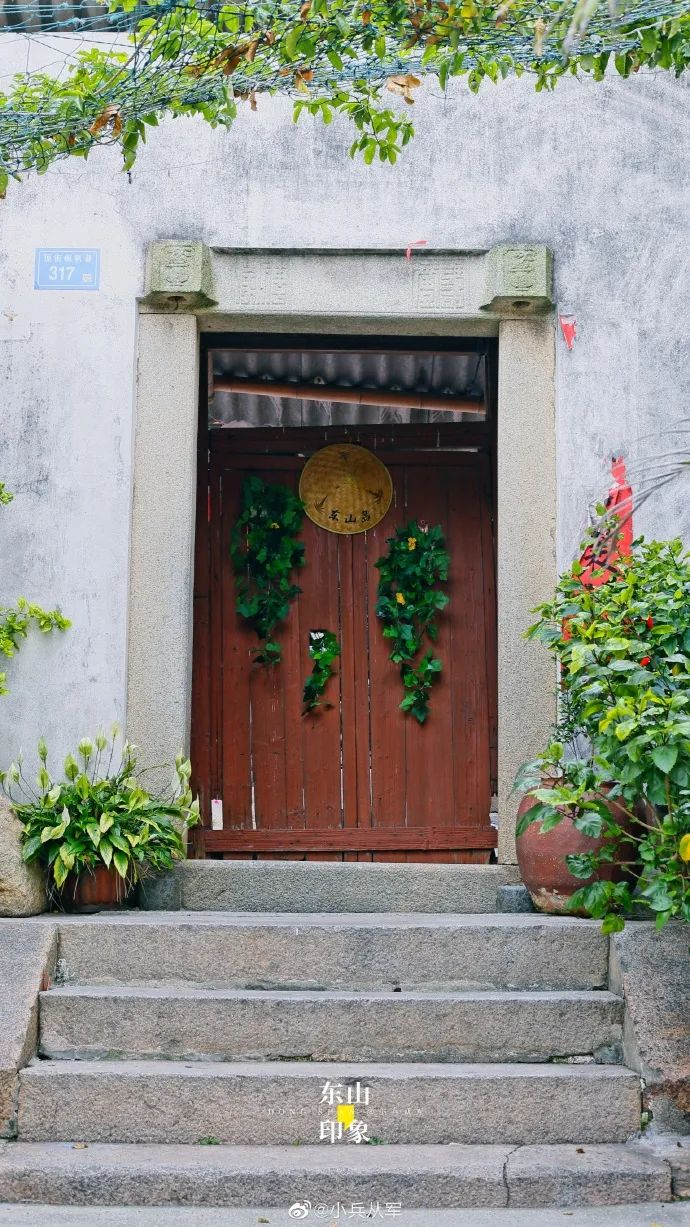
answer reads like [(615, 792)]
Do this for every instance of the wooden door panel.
[(318, 608), (429, 748), (357, 779), (470, 759), (230, 670), (387, 741)]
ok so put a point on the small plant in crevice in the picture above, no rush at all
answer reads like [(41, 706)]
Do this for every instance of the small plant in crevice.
[(323, 650), (408, 604)]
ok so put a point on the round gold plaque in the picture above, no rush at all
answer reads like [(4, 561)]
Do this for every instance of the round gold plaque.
[(345, 488)]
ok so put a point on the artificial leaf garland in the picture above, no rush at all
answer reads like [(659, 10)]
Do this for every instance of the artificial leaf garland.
[(265, 551), (323, 650), (408, 603)]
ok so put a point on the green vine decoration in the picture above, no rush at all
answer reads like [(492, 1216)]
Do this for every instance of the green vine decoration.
[(265, 551), (323, 650), (408, 604)]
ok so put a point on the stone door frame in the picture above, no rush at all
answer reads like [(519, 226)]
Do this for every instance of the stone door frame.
[(191, 290)]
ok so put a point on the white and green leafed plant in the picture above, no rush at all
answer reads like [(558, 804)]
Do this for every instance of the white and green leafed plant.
[(100, 813)]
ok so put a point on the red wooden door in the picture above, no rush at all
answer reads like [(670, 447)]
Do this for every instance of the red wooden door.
[(358, 779)]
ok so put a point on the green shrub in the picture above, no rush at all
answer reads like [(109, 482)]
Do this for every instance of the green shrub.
[(623, 646), (100, 814)]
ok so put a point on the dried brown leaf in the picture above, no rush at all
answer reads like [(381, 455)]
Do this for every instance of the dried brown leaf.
[(502, 11), (106, 117), (302, 77), (230, 58), (249, 97), (403, 86)]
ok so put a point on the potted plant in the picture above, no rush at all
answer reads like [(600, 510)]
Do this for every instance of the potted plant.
[(570, 815), (620, 772), (98, 831)]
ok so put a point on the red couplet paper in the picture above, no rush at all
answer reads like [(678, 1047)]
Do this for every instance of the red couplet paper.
[(598, 558)]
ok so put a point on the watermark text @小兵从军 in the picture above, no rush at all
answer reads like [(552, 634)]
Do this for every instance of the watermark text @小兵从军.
[(332, 1213)]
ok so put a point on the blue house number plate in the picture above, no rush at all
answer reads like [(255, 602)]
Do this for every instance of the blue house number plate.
[(67, 268)]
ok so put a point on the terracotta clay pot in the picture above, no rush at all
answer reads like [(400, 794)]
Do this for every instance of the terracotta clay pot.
[(542, 863), (95, 889)]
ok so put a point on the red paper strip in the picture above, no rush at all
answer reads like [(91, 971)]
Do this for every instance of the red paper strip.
[(569, 330), (596, 564), (417, 243)]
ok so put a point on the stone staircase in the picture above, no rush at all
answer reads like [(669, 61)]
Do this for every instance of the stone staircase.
[(198, 1053)]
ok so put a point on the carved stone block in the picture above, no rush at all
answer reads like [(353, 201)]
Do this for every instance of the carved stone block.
[(438, 289), (519, 280), (178, 276)]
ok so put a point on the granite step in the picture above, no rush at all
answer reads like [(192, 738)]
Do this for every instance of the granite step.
[(404, 1177), (643, 1214), (355, 951), (258, 1103), (328, 886), (185, 1023)]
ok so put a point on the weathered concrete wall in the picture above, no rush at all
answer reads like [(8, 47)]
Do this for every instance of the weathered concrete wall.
[(599, 173)]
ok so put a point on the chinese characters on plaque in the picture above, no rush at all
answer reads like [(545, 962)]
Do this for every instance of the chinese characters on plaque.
[(67, 268)]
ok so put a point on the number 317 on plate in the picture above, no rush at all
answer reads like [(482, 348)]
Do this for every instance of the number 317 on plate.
[(67, 268)]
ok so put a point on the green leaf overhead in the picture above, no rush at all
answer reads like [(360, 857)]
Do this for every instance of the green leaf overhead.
[(366, 60)]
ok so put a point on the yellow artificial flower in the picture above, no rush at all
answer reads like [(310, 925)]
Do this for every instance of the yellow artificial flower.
[(411, 543), (684, 848), (274, 525), (400, 598)]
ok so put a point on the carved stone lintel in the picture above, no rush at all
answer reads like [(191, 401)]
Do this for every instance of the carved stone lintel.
[(178, 276), (519, 280)]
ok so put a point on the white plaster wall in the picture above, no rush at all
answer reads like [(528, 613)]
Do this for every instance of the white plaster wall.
[(598, 172)]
